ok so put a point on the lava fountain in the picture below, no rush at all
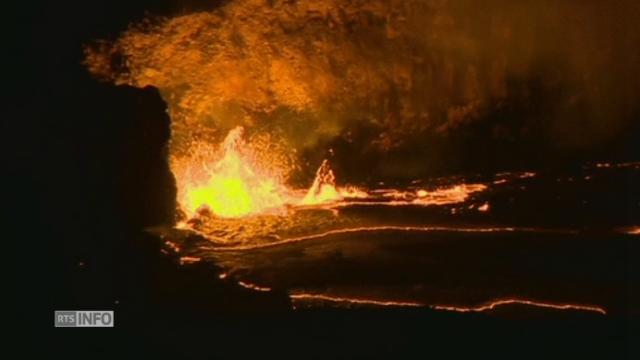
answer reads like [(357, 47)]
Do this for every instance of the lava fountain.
[(240, 183), (311, 71), (236, 185)]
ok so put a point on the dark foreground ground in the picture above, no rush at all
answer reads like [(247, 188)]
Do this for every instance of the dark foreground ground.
[(186, 312)]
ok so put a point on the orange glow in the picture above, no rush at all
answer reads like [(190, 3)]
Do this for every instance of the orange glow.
[(254, 287), (301, 297), (235, 185), (457, 193), (492, 305), (240, 179), (382, 228), (237, 194), (353, 301), (189, 260)]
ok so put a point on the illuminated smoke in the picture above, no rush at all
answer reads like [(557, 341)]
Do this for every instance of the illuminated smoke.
[(384, 75), (314, 69)]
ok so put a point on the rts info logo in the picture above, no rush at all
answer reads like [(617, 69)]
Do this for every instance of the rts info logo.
[(83, 319)]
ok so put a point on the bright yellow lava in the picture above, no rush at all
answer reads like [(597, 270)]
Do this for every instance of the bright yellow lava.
[(242, 183), (323, 188), (236, 186), (243, 180)]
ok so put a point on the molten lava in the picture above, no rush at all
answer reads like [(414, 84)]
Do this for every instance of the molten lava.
[(242, 182), (231, 194), (300, 299), (324, 187), (236, 185)]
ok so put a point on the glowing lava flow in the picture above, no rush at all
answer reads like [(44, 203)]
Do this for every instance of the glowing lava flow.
[(237, 194), (254, 287), (354, 301), (387, 228), (189, 260), (482, 308), (492, 305), (241, 180), (631, 230)]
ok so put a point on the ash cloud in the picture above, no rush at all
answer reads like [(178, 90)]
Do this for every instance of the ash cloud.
[(389, 71)]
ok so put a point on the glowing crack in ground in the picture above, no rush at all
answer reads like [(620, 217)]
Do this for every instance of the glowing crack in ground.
[(301, 297)]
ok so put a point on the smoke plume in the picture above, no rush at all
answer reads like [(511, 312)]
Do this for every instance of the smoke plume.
[(314, 70)]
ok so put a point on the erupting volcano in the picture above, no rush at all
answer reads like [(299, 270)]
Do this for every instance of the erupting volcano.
[(238, 184), (326, 178), (403, 95)]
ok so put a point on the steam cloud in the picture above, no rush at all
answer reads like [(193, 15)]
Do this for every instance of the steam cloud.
[(317, 69)]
